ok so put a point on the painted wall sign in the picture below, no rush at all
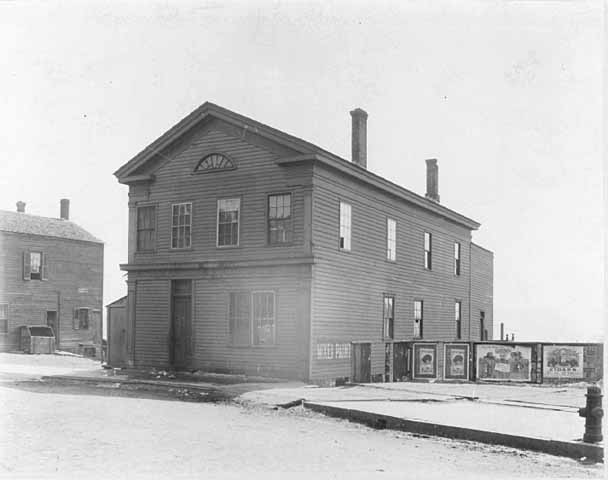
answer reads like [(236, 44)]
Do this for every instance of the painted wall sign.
[(563, 361), (456, 363), (503, 362), (83, 290), (425, 360), (331, 351)]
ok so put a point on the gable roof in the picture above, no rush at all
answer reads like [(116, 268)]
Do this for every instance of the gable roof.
[(309, 152), (16, 222)]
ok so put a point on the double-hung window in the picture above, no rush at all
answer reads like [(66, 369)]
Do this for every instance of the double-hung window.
[(456, 258), (418, 318), (428, 246), (388, 316), (146, 225), (252, 318), (34, 266), (280, 226), (345, 225), (181, 225), (391, 239), (228, 217), (458, 318)]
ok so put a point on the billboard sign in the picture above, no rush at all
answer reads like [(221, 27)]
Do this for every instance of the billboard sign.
[(456, 363), (563, 361), (425, 360), (503, 362)]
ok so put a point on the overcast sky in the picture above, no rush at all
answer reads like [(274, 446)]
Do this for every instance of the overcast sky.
[(507, 96)]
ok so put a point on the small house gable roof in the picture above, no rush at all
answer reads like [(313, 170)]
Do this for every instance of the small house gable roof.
[(16, 222)]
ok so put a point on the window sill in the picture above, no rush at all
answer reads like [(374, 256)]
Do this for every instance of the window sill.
[(182, 249), (255, 347), (227, 247)]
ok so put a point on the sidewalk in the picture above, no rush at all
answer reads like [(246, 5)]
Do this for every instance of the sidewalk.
[(543, 418)]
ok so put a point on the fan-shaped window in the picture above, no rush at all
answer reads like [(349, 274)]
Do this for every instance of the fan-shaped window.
[(214, 162)]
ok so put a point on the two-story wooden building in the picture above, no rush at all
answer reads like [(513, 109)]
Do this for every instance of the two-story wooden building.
[(51, 273), (251, 250)]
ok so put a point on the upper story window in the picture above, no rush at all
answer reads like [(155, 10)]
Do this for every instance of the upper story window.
[(181, 225), (280, 225), (456, 258), (146, 228), (34, 266), (388, 316), (458, 318), (3, 317), (228, 210), (345, 225), (391, 239), (214, 162), (483, 333), (428, 249), (418, 318)]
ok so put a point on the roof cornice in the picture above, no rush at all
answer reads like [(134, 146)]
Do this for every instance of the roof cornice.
[(383, 184)]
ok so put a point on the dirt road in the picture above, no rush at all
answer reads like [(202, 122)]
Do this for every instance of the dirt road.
[(59, 431)]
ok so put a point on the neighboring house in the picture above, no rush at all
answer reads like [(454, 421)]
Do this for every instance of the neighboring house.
[(51, 273), (253, 251)]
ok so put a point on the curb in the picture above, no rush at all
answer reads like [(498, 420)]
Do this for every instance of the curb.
[(131, 381), (574, 450)]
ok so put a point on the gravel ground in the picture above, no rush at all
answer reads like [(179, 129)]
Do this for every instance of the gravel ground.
[(58, 431)]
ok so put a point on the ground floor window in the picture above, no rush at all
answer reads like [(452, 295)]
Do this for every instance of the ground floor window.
[(252, 318), (3, 317), (81, 319)]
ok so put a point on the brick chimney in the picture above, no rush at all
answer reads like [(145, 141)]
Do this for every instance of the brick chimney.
[(64, 209), (432, 180), (21, 206), (359, 137)]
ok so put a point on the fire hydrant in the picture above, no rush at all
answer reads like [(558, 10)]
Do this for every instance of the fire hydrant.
[(593, 414)]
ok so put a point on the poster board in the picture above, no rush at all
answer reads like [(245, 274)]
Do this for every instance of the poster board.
[(499, 362), (456, 361), (563, 362), (425, 360)]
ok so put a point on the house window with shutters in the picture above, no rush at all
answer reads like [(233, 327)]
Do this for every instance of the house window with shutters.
[(3, 317), (228, 210), (280, 226), (81, 318), (181, 225), (252, 318), (35, 266), (146, 228)]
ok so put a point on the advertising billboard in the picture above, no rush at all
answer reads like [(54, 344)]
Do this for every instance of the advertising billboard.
[(503, 362), (456, 361), (425, 360), (563, 361)]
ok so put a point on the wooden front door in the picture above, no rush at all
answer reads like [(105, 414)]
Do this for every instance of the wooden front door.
[(51, 321), (181, 324), (117, 336), (362, 362)]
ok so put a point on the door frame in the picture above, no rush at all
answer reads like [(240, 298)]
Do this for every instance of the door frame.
[(172, 337)]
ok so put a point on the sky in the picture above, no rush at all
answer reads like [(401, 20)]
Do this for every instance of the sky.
[(507, 95)]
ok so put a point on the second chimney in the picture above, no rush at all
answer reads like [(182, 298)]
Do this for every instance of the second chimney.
[(359, 137), (64, 209), (432, 180), (21, 206)]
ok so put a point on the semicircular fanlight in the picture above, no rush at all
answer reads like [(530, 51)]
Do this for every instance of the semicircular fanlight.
[(214, 162)]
